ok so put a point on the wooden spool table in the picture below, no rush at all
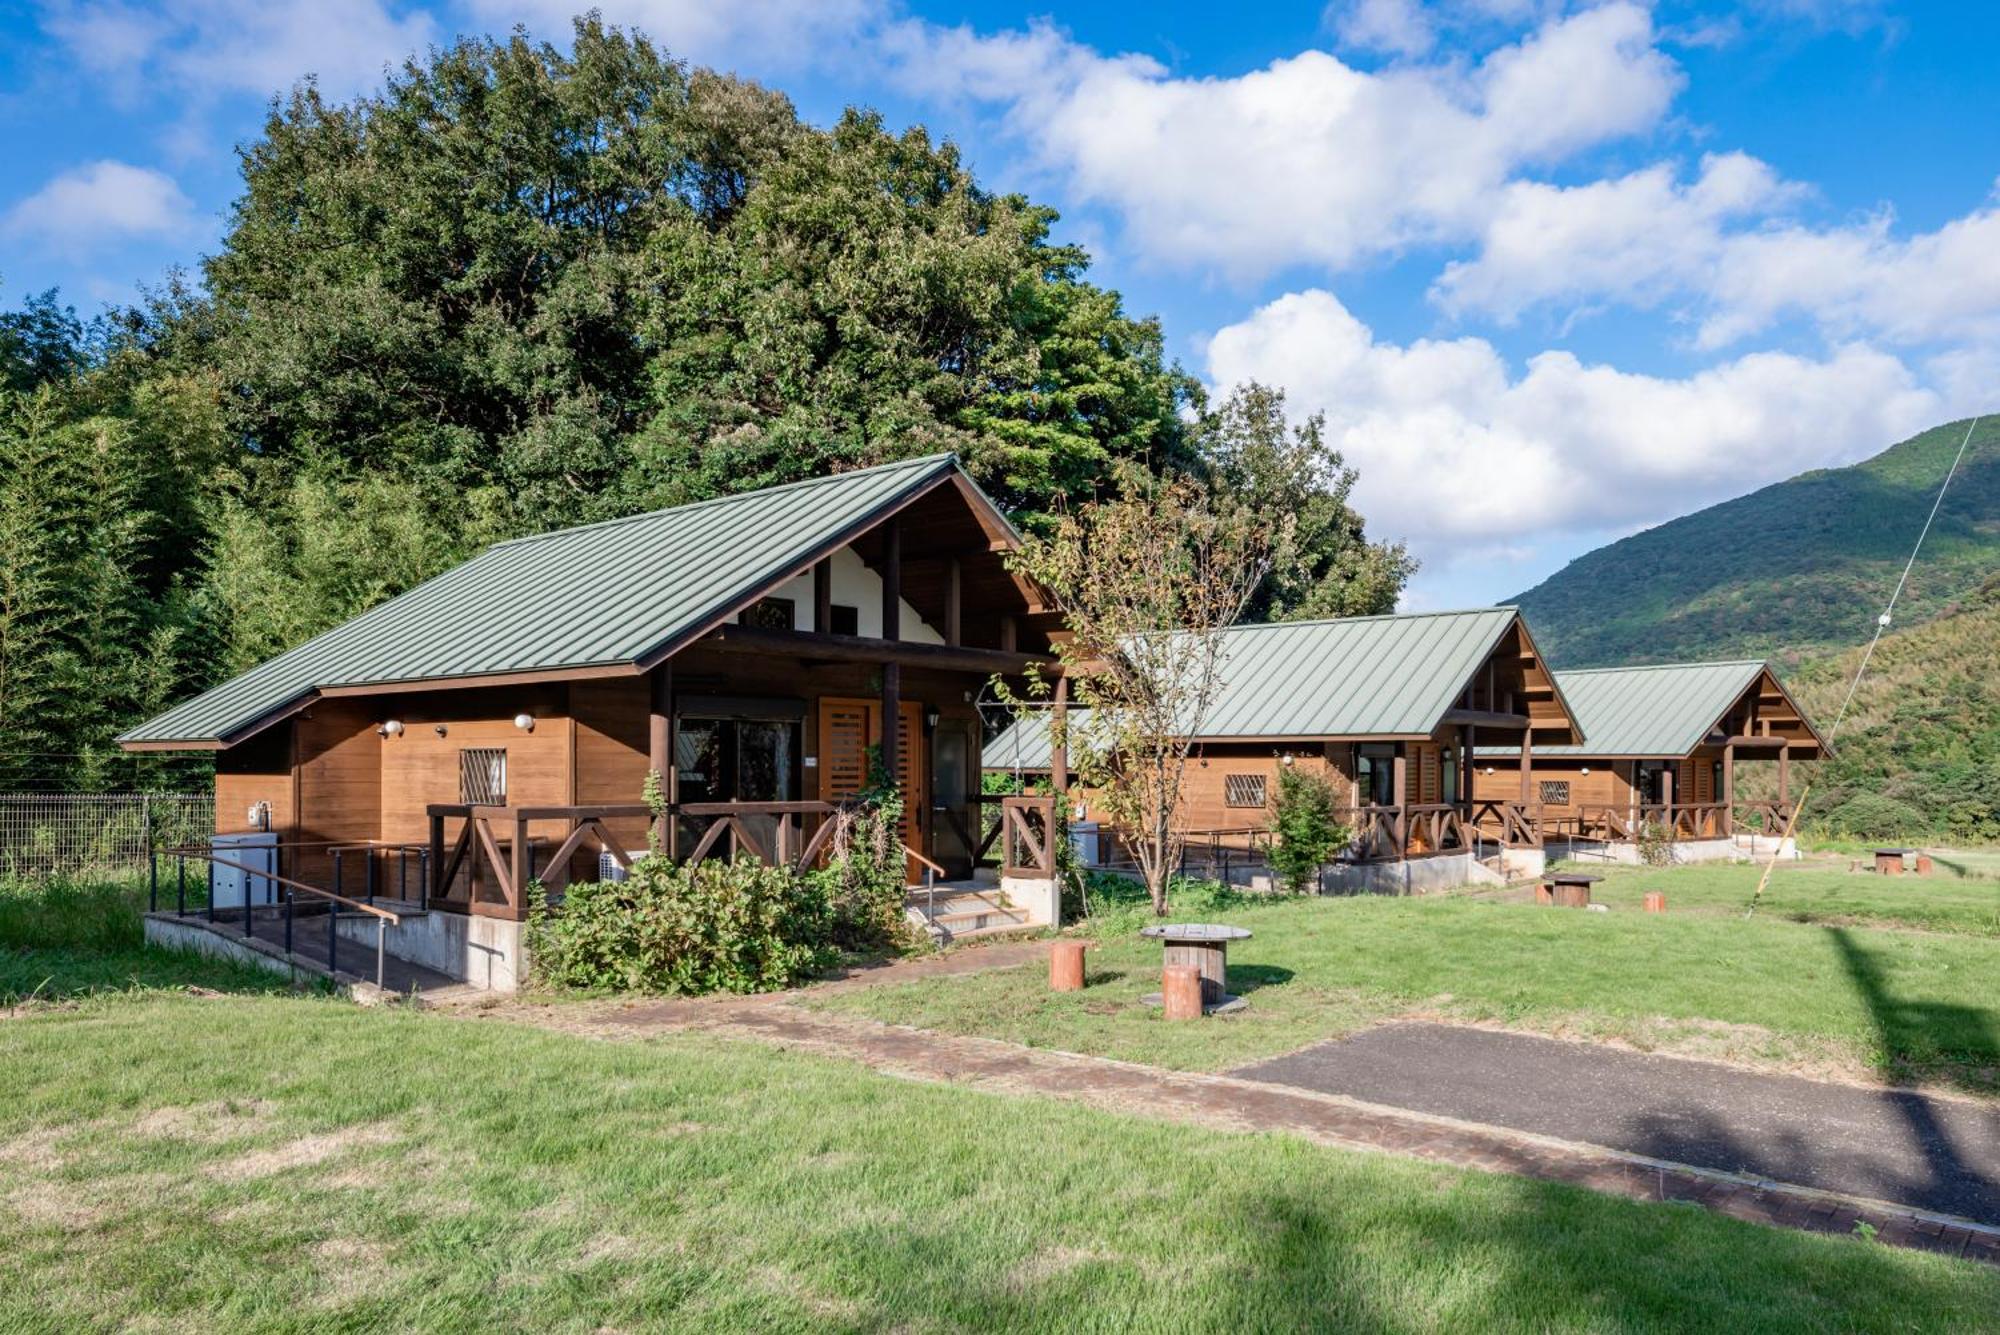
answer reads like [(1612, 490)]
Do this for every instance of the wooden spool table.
[(1889, 861), (1206, 947), (1572, 889)]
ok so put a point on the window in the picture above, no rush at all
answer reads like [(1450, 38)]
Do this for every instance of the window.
[(844, 620), (482, 776), (769, 614), (1243, 790), (1555, 792), (1375, 776)]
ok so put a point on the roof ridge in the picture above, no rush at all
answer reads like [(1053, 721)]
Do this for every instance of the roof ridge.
[(1374, 616), (1663, 667), (944, 456)]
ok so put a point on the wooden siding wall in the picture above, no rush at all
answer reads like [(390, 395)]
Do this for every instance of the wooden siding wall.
[(419, 767), (260, 770), (1202, 804), (611, 747), (1609, 783)]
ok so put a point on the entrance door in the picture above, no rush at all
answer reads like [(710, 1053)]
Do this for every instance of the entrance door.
[(952, 820), (847, 728)]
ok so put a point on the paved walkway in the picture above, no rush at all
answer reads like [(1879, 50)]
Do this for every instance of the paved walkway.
[(1233, 1102), (1940, 1154)]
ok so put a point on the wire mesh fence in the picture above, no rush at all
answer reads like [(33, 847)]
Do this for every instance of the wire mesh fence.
[(44, 833)]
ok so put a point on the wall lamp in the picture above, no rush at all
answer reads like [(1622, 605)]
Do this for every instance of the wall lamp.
[(525, 722), (391, 728)]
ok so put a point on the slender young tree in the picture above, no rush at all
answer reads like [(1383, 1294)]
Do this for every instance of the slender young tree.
[(1147, 583)]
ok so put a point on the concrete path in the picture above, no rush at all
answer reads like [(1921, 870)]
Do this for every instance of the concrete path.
[(1939, 1154)]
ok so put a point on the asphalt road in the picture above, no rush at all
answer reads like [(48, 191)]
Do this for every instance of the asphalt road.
[(1940, 1154)]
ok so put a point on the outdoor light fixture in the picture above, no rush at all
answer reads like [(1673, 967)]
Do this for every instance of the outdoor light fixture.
[(931, 719), (525, 722), (1586, 769), (1288, 761), (392, 728), (1489, 769), (440, 730)]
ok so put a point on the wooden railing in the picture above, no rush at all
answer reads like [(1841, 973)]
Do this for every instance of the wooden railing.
[(1028, 832), (1512, 824)]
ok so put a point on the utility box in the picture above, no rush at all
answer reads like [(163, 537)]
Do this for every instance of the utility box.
[(256, 851), (1083, 841)]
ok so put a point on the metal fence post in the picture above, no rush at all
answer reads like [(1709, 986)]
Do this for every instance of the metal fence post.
[(152, 878), (181, 886), (332, 938)]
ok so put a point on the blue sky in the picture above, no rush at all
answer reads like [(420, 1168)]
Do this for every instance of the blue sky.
[(1553, 271)]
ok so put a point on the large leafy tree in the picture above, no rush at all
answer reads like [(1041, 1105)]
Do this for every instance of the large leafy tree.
[(1324, 564)]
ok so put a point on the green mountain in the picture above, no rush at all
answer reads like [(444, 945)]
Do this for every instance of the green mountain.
[(1919, 751), (1801, 567)]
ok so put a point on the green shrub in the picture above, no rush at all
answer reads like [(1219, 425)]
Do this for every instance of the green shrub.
[(1656, 844), (714, 927), (1872, 816), (865, 879), (1308, 835)]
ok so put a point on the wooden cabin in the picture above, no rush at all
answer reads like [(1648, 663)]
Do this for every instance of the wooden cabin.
[(1662, 748), (495, 726), (1389, 707)]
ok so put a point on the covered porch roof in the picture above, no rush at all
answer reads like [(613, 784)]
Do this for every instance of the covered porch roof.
[(1666, 711)]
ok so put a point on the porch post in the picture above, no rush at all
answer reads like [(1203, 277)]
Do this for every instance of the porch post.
[(1667, 792), (1399, 770), (892, 580), (1728, 788), (823, 596), (1059, 742), (1784, 772), (660, 750), (892, 719), (1009, 634), (952, 608), (1527, 764)]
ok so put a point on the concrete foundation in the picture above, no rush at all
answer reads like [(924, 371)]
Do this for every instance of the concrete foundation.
[(485, 952), (1417, 876), (1742, 848), (1040, 897), (164, 929)]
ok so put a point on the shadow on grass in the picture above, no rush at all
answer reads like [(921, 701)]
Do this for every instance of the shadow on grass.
[(1247, 978)]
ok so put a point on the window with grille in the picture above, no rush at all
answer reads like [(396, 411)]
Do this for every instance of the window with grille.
[(1555, 792), (482, 776), (1243, 790), (770, 614)]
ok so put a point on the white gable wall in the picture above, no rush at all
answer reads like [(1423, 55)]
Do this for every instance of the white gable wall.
[(856, 586)]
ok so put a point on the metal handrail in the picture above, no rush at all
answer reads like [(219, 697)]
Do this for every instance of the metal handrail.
[(384, 918)]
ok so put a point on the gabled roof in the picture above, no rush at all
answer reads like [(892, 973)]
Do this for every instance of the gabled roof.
[(1662, 710), (616, 595), (1377, 676)]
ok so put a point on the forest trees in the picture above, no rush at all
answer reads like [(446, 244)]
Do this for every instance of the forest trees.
[(519, 287)]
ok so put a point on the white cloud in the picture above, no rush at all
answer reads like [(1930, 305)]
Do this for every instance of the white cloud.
[(1399, 27), (102, 202), (1719, 249), (1639, 237), (1458, 453), (202, 47), (770, 33), (1308, 160)]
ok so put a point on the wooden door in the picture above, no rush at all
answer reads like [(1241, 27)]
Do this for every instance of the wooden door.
[(847, 728)]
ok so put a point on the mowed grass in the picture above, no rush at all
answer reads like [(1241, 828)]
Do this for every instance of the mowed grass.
[(1812, 892), (245, 1163), (1832, 999), (62, 938)]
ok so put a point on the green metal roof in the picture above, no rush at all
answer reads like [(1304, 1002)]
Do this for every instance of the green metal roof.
[(595, 596), (1379, 676), (1662, 710)]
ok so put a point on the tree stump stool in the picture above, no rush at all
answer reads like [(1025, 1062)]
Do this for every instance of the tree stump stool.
[(1544, 893), (1656, 901), (1066, 966), (1889, 861), (1180, 991), (1924, 864)]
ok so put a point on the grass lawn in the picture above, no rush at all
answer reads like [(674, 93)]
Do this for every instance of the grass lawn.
[(252, 1163), (62, 939), (1835, 999), (1813, 892)]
